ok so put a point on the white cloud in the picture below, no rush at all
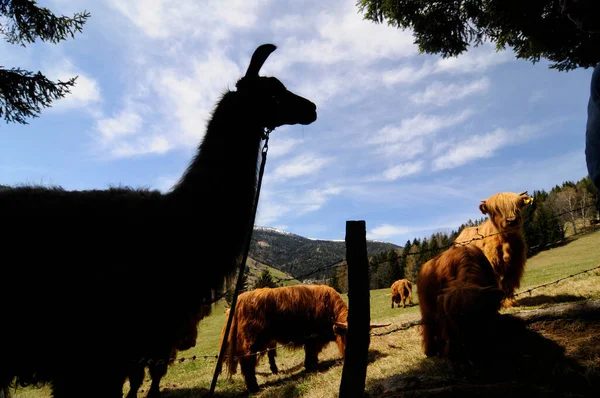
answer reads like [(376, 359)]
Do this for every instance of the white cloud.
[(386, 231), (269, 211), (417, 127), (281, 147), (126, 123), (143, 146), (299, 166), (440, 94), (476, 60), (275, 204), (406, 74), (160, 19), (343, 36), (84, 93), (402, 170), (481, 146)]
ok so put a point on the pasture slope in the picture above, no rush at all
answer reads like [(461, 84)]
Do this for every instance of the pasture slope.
[(397, 365)]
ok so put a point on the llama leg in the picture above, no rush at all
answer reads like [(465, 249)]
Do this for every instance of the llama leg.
[(248, 366), (136, 378), (272, 354), (157, 372)]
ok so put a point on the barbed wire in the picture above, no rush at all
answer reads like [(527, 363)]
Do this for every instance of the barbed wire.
[(402, 327), (411, 324), (150, 361), (557, 281)]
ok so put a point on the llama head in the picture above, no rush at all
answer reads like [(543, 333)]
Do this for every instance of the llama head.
[(271, 103), (504, 209)]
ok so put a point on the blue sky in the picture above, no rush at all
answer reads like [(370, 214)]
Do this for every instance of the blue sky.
[(408, 142)]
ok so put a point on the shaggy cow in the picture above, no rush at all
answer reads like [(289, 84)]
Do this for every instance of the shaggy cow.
[(458, 294), (309, 316), (503, 245), (401, 290)]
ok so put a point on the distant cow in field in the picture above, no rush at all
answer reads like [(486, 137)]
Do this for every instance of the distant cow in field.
[(309, 316), (459, 293), (401, 290), (505, 248)]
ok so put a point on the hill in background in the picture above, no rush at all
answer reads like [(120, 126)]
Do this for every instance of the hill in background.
[(296, 255)]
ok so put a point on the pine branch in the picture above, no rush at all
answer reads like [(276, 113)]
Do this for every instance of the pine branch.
[(23, 93), (25, 22)]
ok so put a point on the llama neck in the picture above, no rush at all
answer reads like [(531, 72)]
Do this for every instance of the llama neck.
[(225, 166)]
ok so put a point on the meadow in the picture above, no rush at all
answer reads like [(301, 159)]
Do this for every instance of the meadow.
[(396, 361)]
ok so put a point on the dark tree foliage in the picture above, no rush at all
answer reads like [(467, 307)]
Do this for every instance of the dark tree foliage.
[(265, 280), (533, 29), (23, 93), (244, 288)]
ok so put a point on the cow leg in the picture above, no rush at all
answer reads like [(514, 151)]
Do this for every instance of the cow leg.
[(403, 301), (429, 338), (136, 378), (392, 302), (248, 366), (156, 373), (311, 355), (272, 354)]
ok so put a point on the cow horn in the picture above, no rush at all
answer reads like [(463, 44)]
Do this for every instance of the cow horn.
[(258, 59), (342, 325), (523, 193)]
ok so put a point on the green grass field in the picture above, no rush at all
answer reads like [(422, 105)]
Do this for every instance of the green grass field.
[(391, 356)]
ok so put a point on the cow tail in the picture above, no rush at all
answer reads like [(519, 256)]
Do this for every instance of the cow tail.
[(232, 346)]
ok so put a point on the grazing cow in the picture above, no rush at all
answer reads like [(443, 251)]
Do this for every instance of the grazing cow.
[(505, 248), (458, 294), (309, 316), (401, 290)]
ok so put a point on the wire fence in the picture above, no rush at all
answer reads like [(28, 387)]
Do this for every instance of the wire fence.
[(399, 328), (342, 262)]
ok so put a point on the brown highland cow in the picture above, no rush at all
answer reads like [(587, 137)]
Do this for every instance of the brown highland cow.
[(401, 290), (501, 238), (458, 294)]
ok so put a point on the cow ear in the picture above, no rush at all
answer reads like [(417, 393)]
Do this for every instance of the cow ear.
[(483, 207), (340, 328)]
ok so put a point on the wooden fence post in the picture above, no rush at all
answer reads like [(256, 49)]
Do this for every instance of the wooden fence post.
[(354, 372)]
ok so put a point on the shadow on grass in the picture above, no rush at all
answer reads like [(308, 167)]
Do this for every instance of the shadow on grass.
[(509, 360), (544, 299), (284, 387)]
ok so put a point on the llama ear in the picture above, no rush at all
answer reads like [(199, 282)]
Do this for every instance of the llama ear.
[(483, 207), (258, 59)]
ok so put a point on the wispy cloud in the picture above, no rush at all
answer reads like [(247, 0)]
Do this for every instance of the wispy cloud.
[(300, 165), (481, 146), (441, 94), (85, 93)]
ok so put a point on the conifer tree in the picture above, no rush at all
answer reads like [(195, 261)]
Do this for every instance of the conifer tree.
[(24, 93)]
